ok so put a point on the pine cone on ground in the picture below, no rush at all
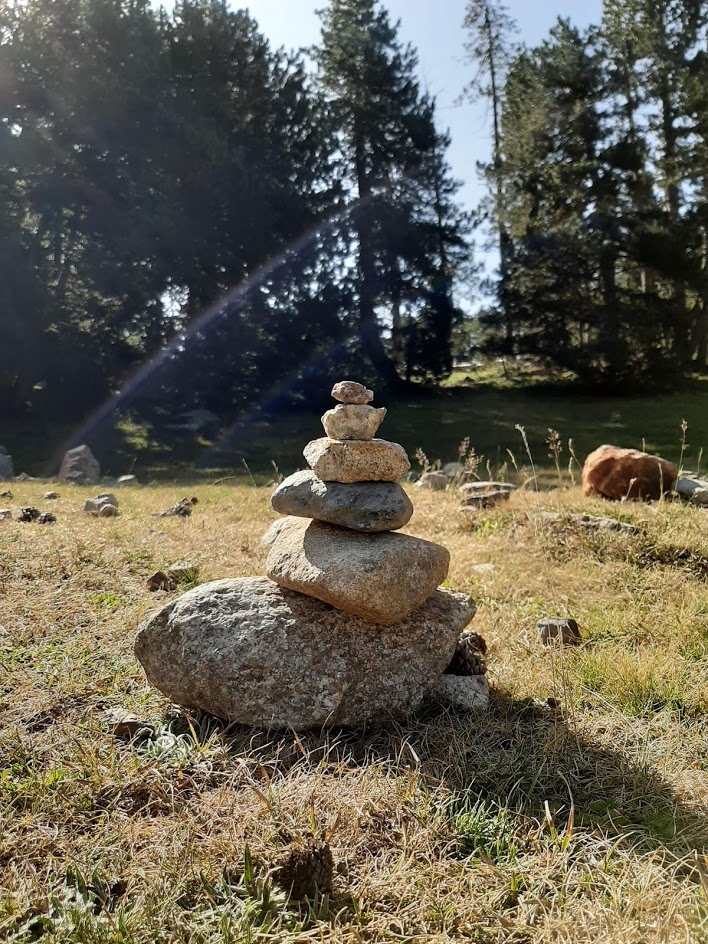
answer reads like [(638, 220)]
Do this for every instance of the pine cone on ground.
[(469, 656), (28, 514), (304, 868)]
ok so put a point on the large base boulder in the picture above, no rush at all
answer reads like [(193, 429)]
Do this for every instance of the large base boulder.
[(616, 474), (380, 577), (250, 652), (80, 466)]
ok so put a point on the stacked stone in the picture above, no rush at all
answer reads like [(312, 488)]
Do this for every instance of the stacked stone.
[(351, 629), (340, 545)]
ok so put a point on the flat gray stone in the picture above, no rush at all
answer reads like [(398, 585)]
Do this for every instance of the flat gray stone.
[(253, 653), (351, 460), (380, 577), (435, 481), (481, 488), (361, 506)]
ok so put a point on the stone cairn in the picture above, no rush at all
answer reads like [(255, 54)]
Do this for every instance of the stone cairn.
[(349, 628)]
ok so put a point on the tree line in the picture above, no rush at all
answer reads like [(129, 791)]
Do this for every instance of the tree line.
[(193, 218)]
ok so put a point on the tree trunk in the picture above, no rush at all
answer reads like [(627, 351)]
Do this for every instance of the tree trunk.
[(369, 330)]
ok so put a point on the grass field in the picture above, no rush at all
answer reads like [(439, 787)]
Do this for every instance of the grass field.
[(436, 421), (575, 810)]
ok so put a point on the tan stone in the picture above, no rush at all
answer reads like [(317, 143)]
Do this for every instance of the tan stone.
[(349, 391), (352, 460), (616, 473), (352, 421), (379, 577)]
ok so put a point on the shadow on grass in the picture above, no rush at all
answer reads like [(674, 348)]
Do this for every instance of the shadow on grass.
[(521, 760)]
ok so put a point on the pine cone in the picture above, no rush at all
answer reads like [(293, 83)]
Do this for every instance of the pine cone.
[(469, 656), (28, 514), (305, 868)]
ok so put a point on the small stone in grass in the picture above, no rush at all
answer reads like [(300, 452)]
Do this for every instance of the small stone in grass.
[(51, 496), (183, 572), (5, 513), (46, 518), (559, 629), (7, 494), (125, 724), (108, 511)]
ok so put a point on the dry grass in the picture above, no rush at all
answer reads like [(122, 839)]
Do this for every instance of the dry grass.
[(582, 819)]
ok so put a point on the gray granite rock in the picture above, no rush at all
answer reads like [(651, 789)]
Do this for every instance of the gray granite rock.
[(361, 506), (268, 539), (350, 460), (7, 470), (251, 652), (435, 481), (352, 421), (80, 466), (481, 488), (466, 692), (380, 577)]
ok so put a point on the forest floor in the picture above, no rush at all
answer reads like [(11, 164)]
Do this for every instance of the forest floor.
[(574, 810)]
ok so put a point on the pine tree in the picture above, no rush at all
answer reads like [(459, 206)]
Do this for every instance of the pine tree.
[(388, 145)]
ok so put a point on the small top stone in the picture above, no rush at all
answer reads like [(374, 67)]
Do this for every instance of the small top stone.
[(349, 391)]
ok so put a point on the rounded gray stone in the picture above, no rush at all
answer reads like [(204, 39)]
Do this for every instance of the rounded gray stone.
[(361, 506), (253, 653)]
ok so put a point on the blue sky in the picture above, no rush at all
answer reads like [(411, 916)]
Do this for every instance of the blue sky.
[(434, 28)]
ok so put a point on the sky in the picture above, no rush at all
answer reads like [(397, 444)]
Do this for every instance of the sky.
[(434, 28)]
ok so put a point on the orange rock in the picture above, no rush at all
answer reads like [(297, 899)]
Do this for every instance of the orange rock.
[(616, 473)]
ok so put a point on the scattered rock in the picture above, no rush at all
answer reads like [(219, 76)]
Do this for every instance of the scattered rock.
[(28, 514), (23, 477), (183, 509), (104, 505), (473, 501), (6, 468), (379, 577), (7, 495), (80, 466), (616, 474), (51, 496), (160, 581), (588, 522), (183, 572), (435, 481), (690, 488), (5, 513), (347, 460), (484, 488), (349, 391), (559, 629), (124, 480), (351, 421), (361, 506), (464, 693), (46, 518), (453, 469), (273, 531), (251, 652), (125, 724)]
